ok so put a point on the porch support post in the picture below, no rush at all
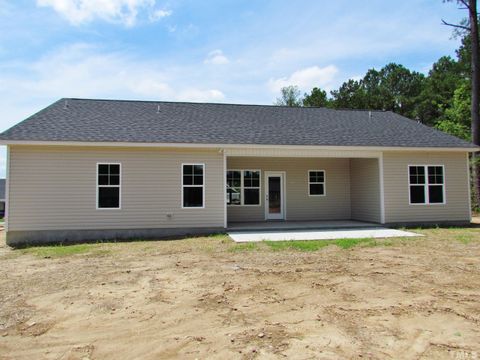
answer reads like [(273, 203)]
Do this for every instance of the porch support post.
[(382, 189)]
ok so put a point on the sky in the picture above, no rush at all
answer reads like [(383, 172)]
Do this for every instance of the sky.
[(235, 51)]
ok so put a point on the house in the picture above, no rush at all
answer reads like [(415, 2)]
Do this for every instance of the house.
[(98, 169), (2, 198)]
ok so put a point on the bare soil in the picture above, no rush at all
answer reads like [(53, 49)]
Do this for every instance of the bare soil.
[(208, 298)]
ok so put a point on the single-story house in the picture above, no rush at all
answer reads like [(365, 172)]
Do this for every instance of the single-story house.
[(85, 169)]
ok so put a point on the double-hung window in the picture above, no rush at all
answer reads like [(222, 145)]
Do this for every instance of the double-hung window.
[(193, 185), (243, 187), (426, 184), (316, 182), (108, 186)]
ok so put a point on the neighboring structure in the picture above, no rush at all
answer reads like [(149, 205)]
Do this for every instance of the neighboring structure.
[(99, 169), (2, 198)]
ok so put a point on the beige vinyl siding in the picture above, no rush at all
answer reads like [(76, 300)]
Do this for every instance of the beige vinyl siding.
[(299, 206), (365, 189), (397, 208), (54, 188)]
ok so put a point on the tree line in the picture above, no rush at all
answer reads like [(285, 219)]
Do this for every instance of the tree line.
[(440, 98)]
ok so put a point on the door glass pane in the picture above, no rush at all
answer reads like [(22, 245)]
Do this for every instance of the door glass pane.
[(274, 195)]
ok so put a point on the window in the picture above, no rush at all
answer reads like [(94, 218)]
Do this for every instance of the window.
[(234, 187), (426, 184), (108, 186), (243, 187), (193, 185), (316, 182)]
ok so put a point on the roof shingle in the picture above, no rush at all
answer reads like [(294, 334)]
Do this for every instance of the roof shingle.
[(88, 120)]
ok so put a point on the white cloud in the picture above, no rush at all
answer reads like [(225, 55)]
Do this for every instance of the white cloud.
[(160, 14), (117, 11), (200, 95), (306, 78), (82, 70), (216, 57)]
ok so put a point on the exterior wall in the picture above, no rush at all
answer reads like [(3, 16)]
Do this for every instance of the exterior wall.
[(54, 188), (397, 208), (299, 206), (365, 189)]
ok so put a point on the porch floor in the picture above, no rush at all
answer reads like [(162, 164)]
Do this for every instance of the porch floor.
[(299, 225), (310, 230)]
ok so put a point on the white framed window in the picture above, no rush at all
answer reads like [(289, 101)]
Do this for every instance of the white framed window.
[(243, 187), (426, 184), (193, 186), (109, 180), (316, 183)]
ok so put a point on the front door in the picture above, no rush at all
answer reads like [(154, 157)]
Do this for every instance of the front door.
[(274, 196)]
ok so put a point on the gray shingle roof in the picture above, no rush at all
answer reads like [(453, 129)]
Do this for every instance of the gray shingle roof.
[(199, 123)]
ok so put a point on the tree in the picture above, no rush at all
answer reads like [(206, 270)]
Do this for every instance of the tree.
[(439, 87), (350, 95), (470, 27), (290, 96), (317, 97), (456, 119), (393, 88)]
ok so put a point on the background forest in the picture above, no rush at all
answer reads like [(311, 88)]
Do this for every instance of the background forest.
[(441, 99)]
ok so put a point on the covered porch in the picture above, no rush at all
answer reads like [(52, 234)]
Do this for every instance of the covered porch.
[(271, 189)]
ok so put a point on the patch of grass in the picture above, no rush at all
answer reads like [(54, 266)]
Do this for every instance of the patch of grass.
[(464, 238), (243, 247), (302, 245), (217, 236), (65, 250), (314, 245), (348, 243)]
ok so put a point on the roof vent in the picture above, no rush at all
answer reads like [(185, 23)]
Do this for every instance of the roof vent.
[(369, 114), (65, 105), (158, 109)]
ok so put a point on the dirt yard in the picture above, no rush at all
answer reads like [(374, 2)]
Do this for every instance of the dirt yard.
[(209, 298)]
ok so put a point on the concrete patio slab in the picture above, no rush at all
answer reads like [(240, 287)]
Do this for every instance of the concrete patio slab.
[(326, 234)]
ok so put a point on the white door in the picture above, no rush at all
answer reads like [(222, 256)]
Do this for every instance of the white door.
[(274, 195)]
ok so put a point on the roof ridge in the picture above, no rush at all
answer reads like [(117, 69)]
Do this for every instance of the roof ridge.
[(221, 104)]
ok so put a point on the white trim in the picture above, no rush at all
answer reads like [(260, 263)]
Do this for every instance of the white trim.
[(224, 189), (233, 146), (283, 197), (382, 190), (242, 188), (427, 184), (7, 190), (324, 183), (202, 186), (112, 186), (469, 188)]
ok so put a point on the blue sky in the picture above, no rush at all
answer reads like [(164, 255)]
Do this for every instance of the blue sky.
[(220, 51)]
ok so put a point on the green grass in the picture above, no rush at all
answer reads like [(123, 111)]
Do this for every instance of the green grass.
[(65, 250), (220, 242), (314, 245), (243, 247)]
